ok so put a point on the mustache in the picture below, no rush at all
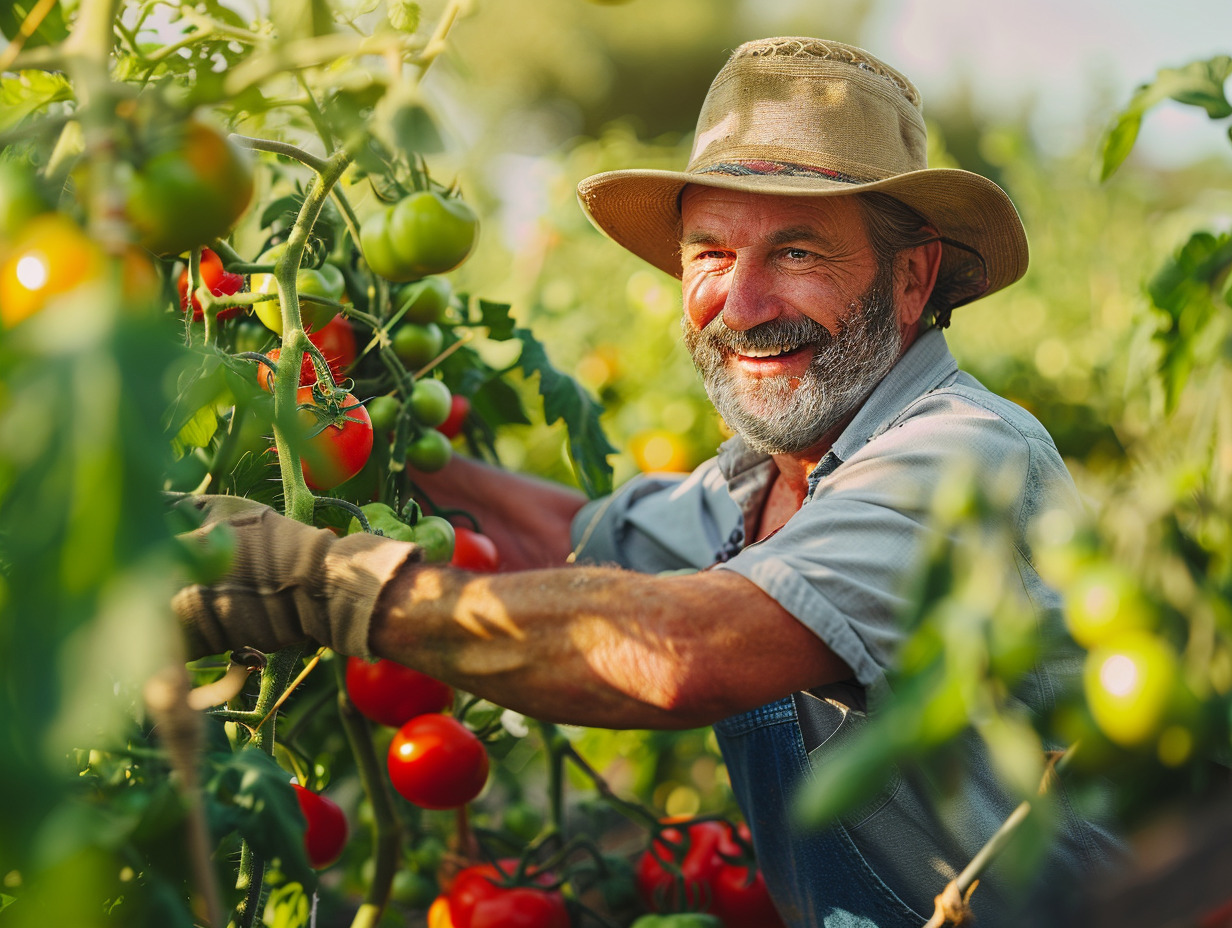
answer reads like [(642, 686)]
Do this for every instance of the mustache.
[(787, 334)]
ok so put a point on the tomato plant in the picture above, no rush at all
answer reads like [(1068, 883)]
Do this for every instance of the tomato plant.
[(437, 762), (326, 281), (336, 439), (326, 834), (474, 551), (422, 234), (391, 694), (191, 191)]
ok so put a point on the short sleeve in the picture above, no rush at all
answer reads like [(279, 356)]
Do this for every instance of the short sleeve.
[(658, 522)]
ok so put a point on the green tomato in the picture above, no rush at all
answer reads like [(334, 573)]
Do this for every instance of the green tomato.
[(378, 250), (383, 411), (426, 300), (430, 233), (383, 519), (429, 452), (436, 537), (21, 197), (679, 920), (430, 402), (416, 345), (327, 282), (522, 820)]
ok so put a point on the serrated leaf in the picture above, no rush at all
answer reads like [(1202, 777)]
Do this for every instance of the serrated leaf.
[(50, 30), (249, 793), (498, 403), (496, 317), (28, 93), (403, 15), (565, 398)]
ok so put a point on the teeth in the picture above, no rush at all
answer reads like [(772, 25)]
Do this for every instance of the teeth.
[(766, 352)]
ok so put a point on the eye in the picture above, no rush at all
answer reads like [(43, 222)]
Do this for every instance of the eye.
[(798, 254)]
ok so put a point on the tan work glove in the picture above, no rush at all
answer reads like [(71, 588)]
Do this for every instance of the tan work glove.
[(288, 582)]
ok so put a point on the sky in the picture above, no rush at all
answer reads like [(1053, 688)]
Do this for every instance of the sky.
[(1069, 57)]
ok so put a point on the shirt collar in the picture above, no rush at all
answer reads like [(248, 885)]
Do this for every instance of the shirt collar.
[(926, 364)]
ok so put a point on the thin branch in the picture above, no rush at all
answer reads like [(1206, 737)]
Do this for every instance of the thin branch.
[(320, 165)]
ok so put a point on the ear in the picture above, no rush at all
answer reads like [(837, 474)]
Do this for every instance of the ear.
[(914, 278)]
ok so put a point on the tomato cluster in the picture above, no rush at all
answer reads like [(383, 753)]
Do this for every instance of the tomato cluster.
[(487, 896), (717, 875), (422, 234)]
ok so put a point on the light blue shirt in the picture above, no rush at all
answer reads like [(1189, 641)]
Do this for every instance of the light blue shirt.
[(840, 566)]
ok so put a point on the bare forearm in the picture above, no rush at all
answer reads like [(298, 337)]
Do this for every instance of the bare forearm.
[(601, 647)]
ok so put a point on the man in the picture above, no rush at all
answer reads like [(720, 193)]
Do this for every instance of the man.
[(819, 259)]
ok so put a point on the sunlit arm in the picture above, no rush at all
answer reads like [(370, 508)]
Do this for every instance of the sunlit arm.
[(602, 646)]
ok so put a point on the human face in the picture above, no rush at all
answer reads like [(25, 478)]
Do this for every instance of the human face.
[(788, 316)]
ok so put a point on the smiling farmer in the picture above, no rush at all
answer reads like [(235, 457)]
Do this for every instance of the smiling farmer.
[(820, 260)]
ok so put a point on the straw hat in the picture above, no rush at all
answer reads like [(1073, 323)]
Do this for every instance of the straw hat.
[(810, 117)]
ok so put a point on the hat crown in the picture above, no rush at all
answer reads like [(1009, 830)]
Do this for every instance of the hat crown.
[(801, 106)]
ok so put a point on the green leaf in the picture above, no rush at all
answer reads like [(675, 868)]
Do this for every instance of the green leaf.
[(50, 30), (1200, 83), (497, 319), (248, 792), (5, 901), (28, 93), (564, 398), (414, 129), (196, 432), (404, 15), (288, 907), (1195, 267), (1118, 143)]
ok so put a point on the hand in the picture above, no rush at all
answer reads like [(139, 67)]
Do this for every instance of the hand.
[(288, 582)]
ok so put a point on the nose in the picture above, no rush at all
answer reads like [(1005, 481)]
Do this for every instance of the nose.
[(750, 300)]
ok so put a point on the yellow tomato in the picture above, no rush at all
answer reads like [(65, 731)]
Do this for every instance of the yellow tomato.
[(1129, 682), (52, 256), (1103, 603)]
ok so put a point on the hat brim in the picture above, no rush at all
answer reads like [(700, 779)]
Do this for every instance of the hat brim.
[(639, 209)]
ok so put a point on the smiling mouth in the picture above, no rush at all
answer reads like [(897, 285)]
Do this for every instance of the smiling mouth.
[(766, 353)]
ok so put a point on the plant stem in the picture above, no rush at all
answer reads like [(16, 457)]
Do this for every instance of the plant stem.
[(388, 837), (274, 680), (320, 165)]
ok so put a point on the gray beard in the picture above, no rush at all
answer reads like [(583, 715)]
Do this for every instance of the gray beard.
[(786, 415)]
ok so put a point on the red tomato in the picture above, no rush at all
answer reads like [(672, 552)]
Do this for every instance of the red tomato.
[(219, 281), (326, 834), (307, 371), (337, 452), (478, 898), (459, 409), (391, 694), (437, 762), (336, 339), (736, 894), (474, 551)]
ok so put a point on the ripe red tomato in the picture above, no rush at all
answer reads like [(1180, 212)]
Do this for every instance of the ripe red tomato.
[(220, 282), (474, 551), (437, 762), (478, 899), (459, 409), (307, 371), (736, 894), (336, 339), (337, 452), (326, 834), (391, 694)]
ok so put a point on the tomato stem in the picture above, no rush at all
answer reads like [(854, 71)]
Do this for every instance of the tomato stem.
[(388, 836)]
